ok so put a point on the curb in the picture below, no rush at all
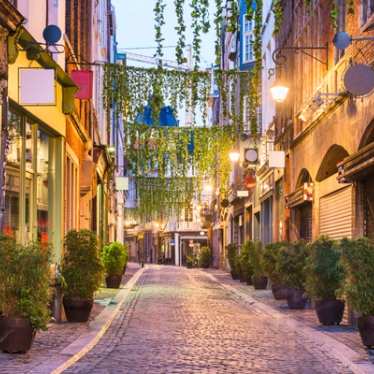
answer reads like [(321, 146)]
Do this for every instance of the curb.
[(329, 345), (84, 344)]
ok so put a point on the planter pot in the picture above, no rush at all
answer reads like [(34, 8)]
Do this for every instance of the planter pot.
[(366, 328), (242, 277), (234, 275), (330, 312), (259, 283), (249, 281), (77, 309), (113, 281), (296, 298), (16, 335), (279, 291)]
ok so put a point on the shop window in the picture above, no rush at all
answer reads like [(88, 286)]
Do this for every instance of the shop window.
[(367, 11), (71, 194), (28, 173)]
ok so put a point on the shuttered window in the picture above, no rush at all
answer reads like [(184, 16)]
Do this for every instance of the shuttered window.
[(335, 215)]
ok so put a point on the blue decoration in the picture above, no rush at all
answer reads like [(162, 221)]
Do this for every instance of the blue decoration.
[(166, 117)]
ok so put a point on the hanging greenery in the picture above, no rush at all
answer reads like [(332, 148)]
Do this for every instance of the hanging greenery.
[(218, 19), (232, 25), (159, 23), (181, 30), (254, 13)]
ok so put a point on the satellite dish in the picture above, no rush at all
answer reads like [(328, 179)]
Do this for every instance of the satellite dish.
[(342, 40), (52, 34), (359, 79)]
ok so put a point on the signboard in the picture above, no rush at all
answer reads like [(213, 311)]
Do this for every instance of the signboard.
[(242, 193), (122, 183), (83, 79), (277, 159), (36, 86)]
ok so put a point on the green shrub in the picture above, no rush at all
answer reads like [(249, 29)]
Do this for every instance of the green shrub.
[(324, 272), (81, 267), (246, 267), (114, 257), (291, 264), (358, 262), (270, 259), (256, 258), (24, 282), (232, 256), (205, 257)]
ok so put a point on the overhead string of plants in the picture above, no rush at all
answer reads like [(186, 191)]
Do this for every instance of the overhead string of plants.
[(171, 163)]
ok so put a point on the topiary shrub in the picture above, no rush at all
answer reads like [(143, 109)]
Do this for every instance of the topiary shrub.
[(82, 268), (24, 282), (358, 262), (232, 256), (114, 258), (256, 258), (324, 271), (291, 263), (205, 257), (270, 259), (246, 266)]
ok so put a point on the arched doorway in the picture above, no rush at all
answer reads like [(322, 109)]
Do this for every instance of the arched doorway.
[(335, 200), (304, 211)]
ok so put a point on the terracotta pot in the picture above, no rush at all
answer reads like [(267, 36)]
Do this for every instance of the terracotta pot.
[(366, 328), (296, 298), (279, 291), (259, 283), (16, 335), (77, 309), (330, 312), (113, 281)]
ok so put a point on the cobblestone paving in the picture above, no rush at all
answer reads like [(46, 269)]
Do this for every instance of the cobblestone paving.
[(180, 321), (49, 343)]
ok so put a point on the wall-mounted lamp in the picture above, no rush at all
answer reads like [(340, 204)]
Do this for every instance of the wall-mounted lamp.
[(234, 156), (279, 92)]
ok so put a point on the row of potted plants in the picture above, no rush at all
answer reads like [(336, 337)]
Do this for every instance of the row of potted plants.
[(25, 279), (203, 259), (327, 272)]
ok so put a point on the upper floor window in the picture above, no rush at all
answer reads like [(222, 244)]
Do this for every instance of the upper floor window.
[(247, 40), (367, 10)]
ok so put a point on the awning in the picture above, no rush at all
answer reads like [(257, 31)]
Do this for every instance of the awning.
[(358, 165)]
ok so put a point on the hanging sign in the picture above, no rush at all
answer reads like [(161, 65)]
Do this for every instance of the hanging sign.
[(122, 183), (277, 159), (83, 79), (36, 86), (242, 193)]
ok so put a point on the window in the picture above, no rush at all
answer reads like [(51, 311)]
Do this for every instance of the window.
[(367, 10), (71, 193), (247, 40)]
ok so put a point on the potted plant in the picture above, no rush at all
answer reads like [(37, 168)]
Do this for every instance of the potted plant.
[(205, 257), (114, 258), (358, 262), (82, 270), (24, 294), (291, 267), (259, 280), (232, 255), (190, 260), (270, 258), (245, 266), (324, 277)]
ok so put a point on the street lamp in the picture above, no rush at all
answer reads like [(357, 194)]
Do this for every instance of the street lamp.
[(279, 92), (234, 156)]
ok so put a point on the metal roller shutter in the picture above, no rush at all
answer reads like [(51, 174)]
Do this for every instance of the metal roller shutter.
[(335, 214)]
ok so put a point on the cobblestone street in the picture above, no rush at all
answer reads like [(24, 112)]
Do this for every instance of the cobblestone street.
[(181, 321)]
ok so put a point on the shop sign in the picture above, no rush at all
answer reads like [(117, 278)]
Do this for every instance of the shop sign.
[(36, 86), (242, 193), (83, 79), (277, 159), (122, 183)]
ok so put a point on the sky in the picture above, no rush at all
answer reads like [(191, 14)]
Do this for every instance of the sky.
[(135, 28)]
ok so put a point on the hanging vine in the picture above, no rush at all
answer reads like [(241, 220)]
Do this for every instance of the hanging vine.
[(158, 10), (181, 30), (218, 19), (232, 25)]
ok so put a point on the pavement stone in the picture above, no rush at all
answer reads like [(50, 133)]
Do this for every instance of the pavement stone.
[(178, 320), (50, 343)]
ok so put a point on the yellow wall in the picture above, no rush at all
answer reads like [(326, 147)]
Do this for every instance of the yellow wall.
[(53, 116)]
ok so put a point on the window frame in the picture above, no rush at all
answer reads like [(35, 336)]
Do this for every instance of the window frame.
[(247, 47)]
